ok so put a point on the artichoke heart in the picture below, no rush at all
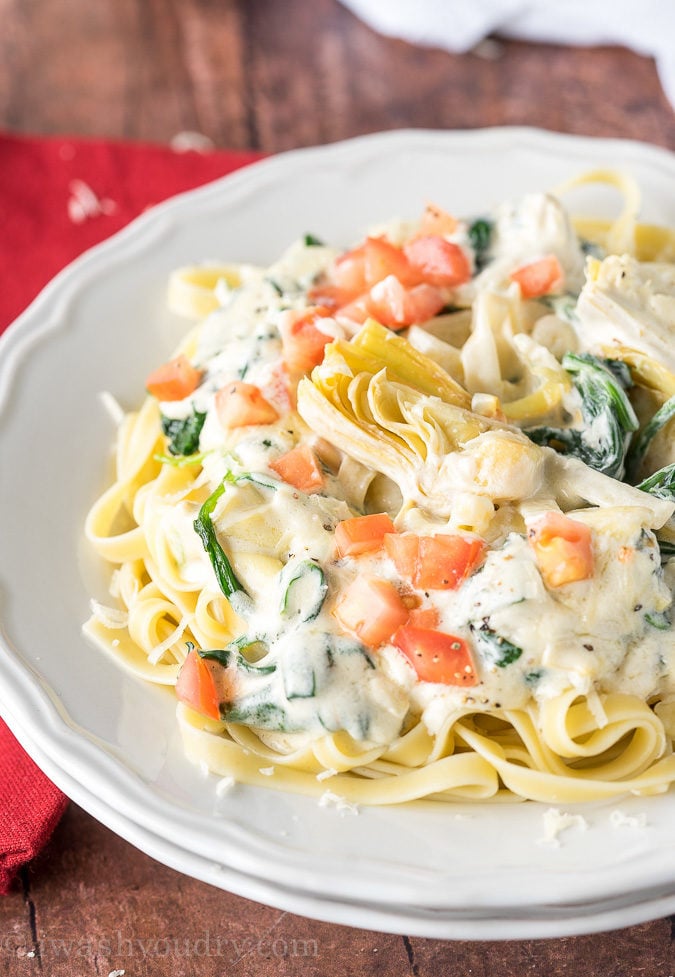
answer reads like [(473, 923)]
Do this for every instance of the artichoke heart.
[(629, 303), (417, 432), (375, 347), (373, 395)]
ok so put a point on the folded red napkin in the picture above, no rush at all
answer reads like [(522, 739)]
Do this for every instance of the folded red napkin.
[(29, 810), (59, 197)]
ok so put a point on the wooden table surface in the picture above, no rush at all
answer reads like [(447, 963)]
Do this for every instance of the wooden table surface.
[(271, 76)]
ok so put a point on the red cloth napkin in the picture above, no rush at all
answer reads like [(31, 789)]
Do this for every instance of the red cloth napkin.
[(59, 197), (29, 811)]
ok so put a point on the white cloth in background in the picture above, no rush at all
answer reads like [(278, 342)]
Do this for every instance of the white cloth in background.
[(645, 26)]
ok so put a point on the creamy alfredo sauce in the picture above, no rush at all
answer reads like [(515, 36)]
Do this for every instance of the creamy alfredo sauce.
[(294, 670)]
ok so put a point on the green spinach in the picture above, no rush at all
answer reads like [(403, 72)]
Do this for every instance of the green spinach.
[(183, 432), (480, 237), (225, 575), (608, 417)]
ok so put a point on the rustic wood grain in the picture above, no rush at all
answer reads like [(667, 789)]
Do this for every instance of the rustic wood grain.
[(92, 904), (272, 76)]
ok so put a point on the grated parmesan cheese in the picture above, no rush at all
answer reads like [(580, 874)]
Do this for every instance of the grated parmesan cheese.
[(266, 771), (329, 799), (325, 774), (158, 651), (555, 822), (618, 819), (83, 203), (183, 142), (109, 617), (224, 785)]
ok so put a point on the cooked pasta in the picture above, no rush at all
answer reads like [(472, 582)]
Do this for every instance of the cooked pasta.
[(397, 522)]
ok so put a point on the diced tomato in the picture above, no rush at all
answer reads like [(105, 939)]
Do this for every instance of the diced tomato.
[(563, 548), (539, 277), (300, 468), (435, 220), (438, 562), (354, 313), (174, 380), (330, 296), (239, 404), (445, 561), (424, 617), (437, 261), (403, 549), (383, 259), (372, 609), (302, 340), (196, 686), (362, 534), (436, 656), (280, 389), (349, 271), (396, 306)]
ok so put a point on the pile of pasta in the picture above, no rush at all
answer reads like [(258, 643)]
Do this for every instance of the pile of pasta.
[(459, 422)]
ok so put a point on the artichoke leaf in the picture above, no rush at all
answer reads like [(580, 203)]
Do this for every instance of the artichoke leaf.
[(375, 347), (631, 303), (390, 405), (644, 369), (362, 441)]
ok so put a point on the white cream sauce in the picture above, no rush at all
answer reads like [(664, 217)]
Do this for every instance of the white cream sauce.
[(525, 230), (605, 633)]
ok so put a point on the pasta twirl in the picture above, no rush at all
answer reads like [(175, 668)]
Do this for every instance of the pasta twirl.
[(397, 522)]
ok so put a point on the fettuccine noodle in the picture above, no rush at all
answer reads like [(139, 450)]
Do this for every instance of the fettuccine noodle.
[(397, 522)]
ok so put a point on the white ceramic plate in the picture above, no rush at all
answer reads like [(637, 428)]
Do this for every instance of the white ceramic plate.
[(111, 742)]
